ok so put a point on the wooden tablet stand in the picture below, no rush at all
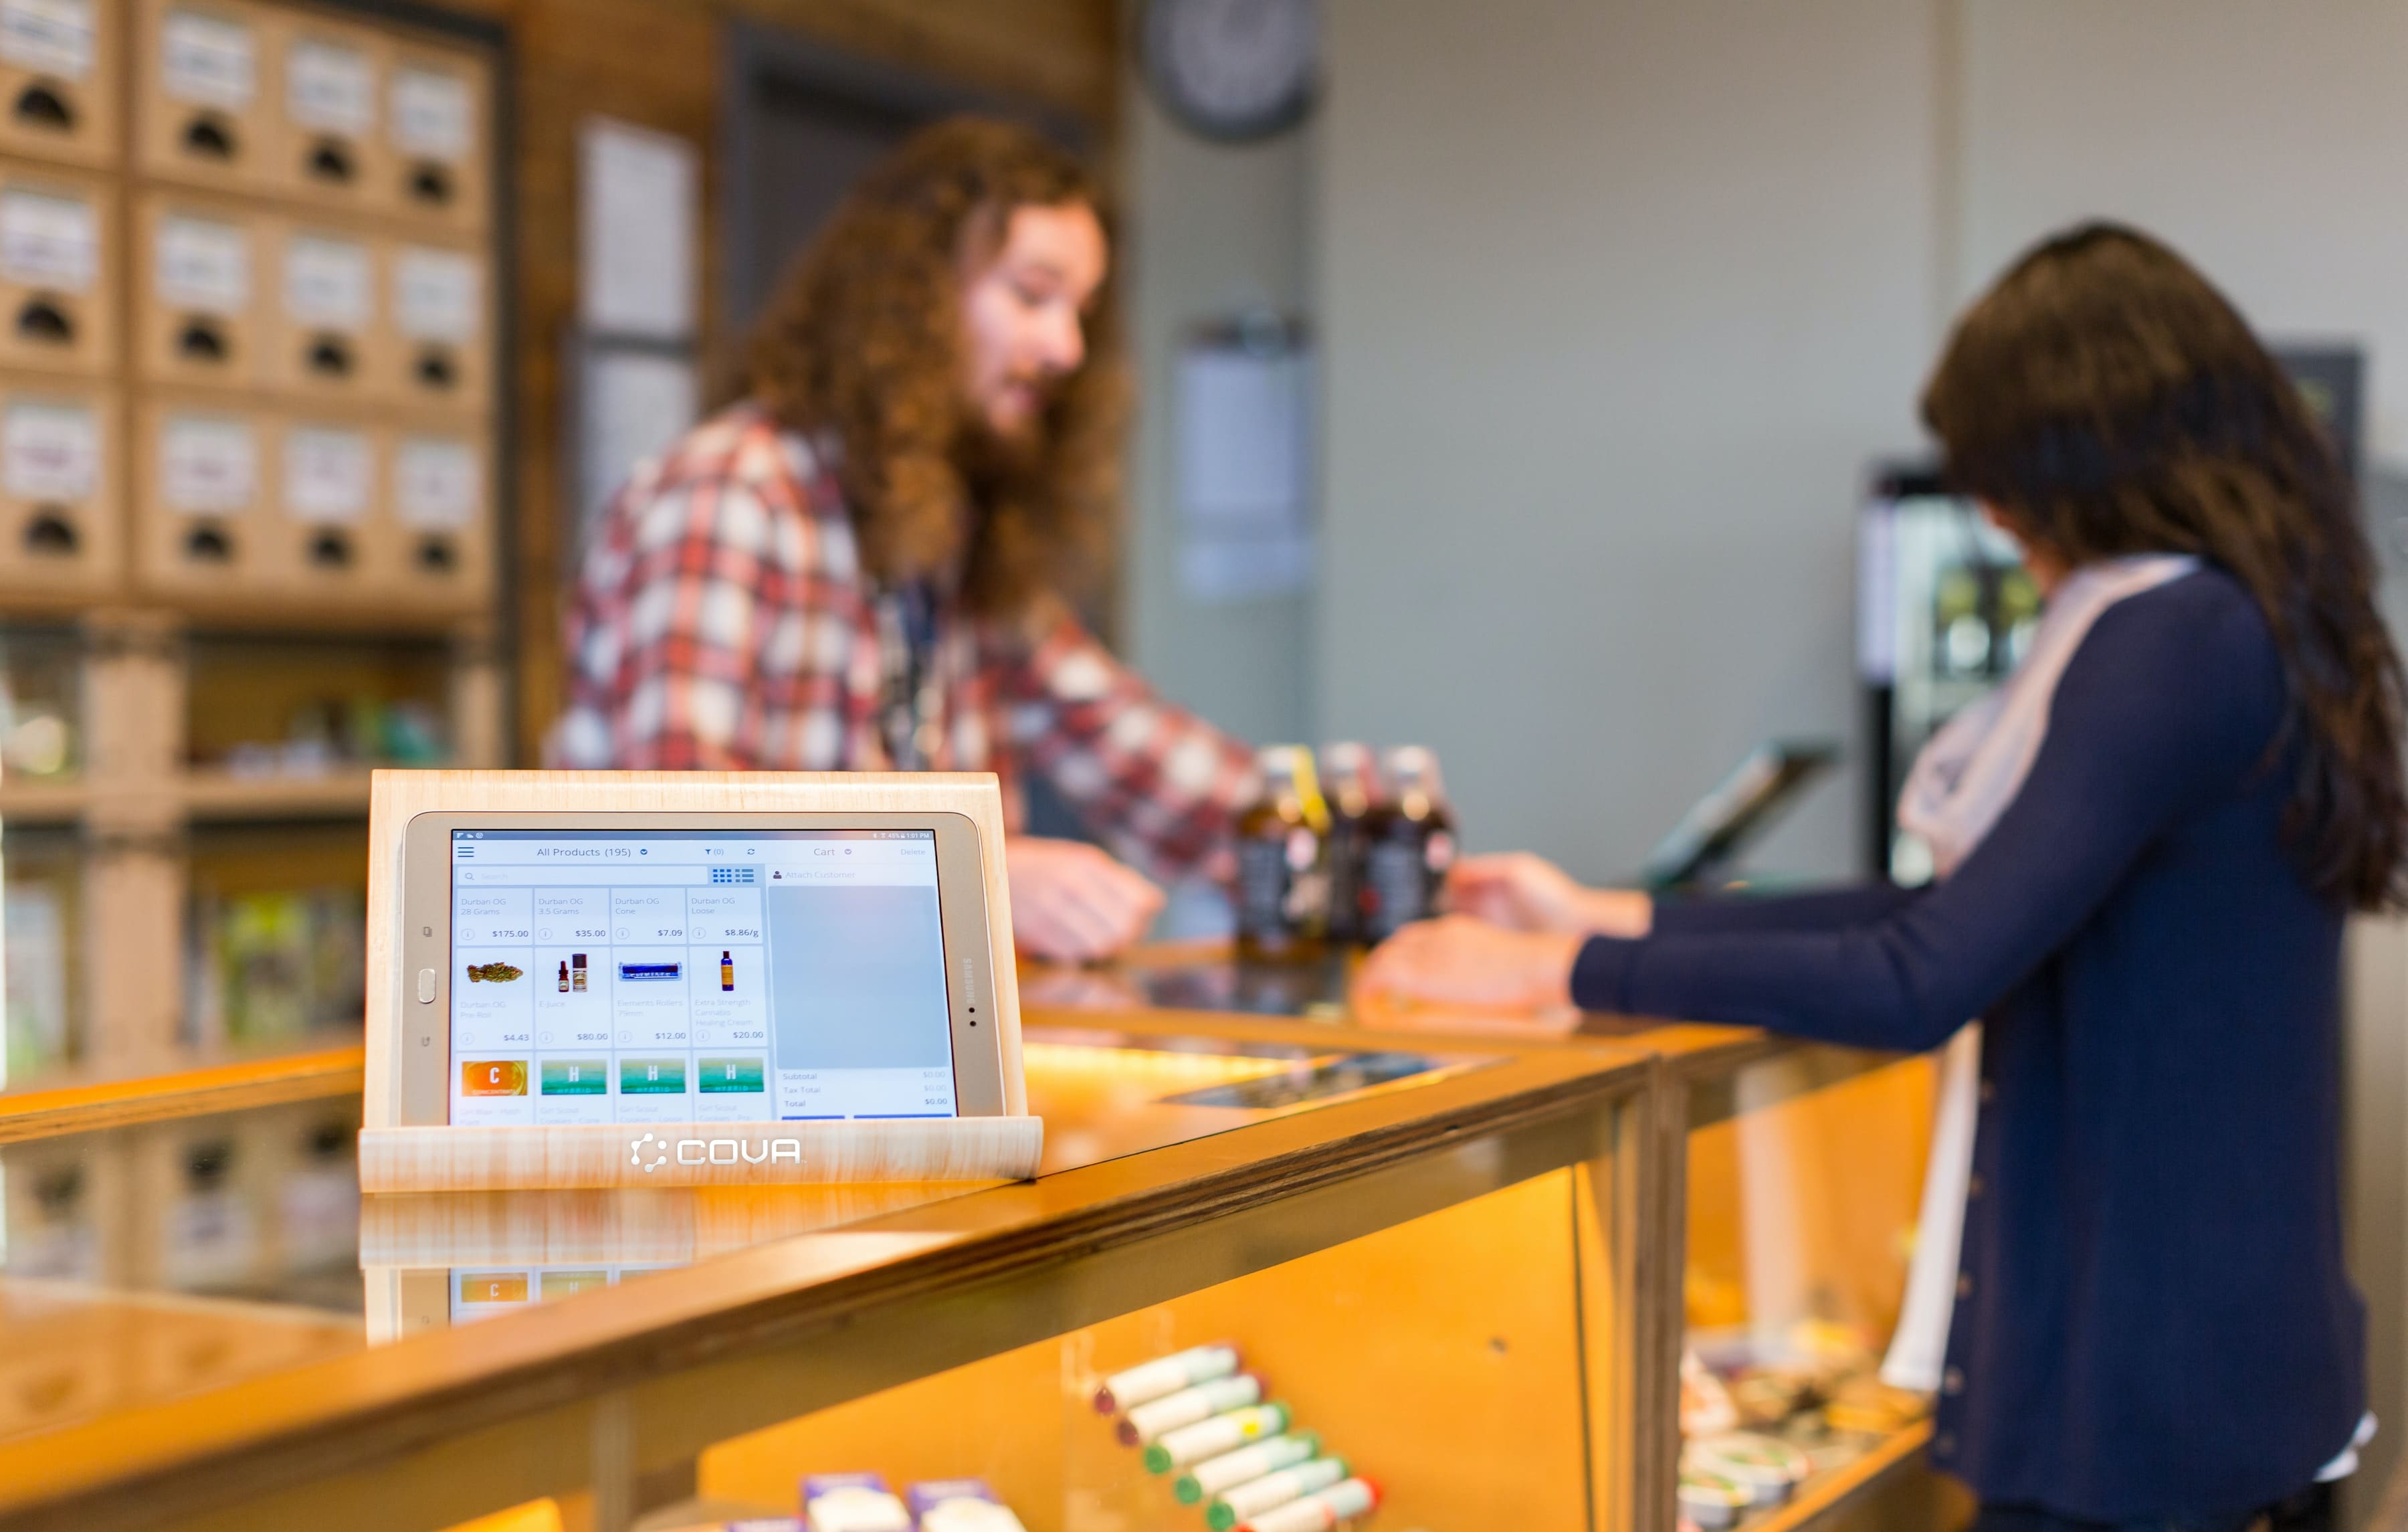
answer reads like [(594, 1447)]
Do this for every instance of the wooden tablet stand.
[(398, 1157)]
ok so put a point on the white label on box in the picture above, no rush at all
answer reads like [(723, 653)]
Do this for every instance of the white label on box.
[(438, 485), (203, 266), (49, 452), (330, 88), (329, 475), (326, 283), (52, 36), (432, 117), (208, 465), (436, 295), (206, 60), (47, 241)]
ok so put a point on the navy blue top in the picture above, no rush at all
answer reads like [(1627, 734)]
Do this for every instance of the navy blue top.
[(2153, 1317)]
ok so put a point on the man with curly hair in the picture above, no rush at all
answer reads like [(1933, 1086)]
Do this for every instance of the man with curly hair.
[(868, 563)]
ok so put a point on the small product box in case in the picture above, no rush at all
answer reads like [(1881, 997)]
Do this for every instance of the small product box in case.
[(323, 336), (205, 105), (439, 298), (329, 146), (61, 510), (59, 61), (201, 499), (959, 1505), (435, 130), (851, 1502), (58, 246), (196, 292)]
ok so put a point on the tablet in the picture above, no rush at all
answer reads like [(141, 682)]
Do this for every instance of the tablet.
[(626, 967)]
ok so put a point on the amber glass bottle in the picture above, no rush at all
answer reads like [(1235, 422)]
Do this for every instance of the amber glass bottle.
[(1350, 777), (1282, 893), (1409, 844)]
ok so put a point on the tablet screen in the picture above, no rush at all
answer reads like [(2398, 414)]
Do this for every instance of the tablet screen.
[(675, 976)]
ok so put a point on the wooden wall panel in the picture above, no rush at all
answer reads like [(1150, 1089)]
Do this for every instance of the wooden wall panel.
[(656, 62)]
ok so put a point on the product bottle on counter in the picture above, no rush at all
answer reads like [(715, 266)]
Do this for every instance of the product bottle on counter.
[(1409, 844), (1351, 780), (1283, 891)]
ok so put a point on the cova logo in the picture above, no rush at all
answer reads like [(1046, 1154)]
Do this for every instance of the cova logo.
[(715, 1151)]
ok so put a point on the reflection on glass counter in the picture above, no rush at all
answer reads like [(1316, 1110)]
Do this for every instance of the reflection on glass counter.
[(1801, 1219)]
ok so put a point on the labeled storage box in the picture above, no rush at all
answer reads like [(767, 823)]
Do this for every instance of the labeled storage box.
[(58, 257), (439, 299), (205, 110), (323, 330), (60, 65), (62, 512), (201, 499), (196, 292), (438, 531), (329, 147), (435, 132), (329, 493)]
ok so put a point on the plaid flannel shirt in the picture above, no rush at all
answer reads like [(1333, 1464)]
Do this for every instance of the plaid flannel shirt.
[(722, 621)]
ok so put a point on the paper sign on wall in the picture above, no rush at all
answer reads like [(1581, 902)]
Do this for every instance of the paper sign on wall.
[(433, 116), (329, 475), (47, 36), (49, 452), (437, 484), (636, 232), (200, 264), (330, 88), (207, 60), (436, 294), (327, 283), (208, 465), (1244, 452), (48, 241)]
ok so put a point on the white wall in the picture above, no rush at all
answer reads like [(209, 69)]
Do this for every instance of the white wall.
[(1210, 230), (1620, 298), (2266, 141)]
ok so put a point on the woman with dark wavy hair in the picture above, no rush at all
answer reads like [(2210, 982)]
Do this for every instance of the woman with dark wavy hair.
[(868, 563), (2133, 1306)]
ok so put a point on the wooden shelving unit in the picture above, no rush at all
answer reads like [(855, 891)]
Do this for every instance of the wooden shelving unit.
[(251, 339)]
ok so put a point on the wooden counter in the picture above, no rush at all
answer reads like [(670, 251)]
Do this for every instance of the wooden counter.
[(1141, 1201)]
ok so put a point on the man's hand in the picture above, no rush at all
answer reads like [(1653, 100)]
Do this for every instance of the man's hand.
[(1525, 893), (1459, 962), (1073, 903)]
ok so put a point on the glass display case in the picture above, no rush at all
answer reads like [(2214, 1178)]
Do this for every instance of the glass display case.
[(1803, 1181), (1428, 1255), (1796, 1172)]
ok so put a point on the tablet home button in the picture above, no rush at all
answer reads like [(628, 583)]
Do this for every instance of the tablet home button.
[(425, 986)]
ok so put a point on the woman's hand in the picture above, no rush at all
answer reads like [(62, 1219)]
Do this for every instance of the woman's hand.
[(1457, 961), (1073, 903), (1526, 893)]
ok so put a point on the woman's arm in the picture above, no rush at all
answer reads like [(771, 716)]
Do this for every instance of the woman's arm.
[(2170, 701), (1527, 892), (1823, 910), (2152, 716)]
